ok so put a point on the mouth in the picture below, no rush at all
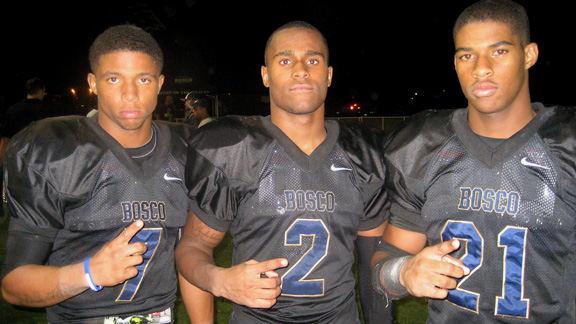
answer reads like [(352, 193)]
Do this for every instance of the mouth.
[(484, 89), (130, 113), (301, 87)]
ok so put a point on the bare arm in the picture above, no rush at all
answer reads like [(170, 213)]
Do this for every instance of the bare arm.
[(199, 303), (41, 285), (3, 146), (242, 283), (378, 231)]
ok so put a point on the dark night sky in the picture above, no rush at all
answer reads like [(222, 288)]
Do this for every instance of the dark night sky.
[(382, 52)]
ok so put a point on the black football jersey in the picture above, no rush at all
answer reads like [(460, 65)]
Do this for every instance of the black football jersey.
[(70, 182), (513, 206), (247, 177)]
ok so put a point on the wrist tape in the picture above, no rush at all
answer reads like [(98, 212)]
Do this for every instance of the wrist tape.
[(386, 277)]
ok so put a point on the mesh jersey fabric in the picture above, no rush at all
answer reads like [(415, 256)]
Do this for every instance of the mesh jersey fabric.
[(512, 206), (71, 183), (251, 179)]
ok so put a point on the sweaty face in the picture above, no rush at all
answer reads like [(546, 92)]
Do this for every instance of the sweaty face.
[(296, 71), (492, 66), (127, 85)]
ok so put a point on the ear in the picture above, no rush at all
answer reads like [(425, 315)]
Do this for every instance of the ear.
[(264, 74), (92, 83), (160, 82), (530, 55), (330, 71)]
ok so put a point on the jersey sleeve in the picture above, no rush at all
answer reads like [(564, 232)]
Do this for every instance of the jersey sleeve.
[(33, 200), (35, 204), (405, 204), (364, 146), (212, 198), (408, 152), (222, 167)]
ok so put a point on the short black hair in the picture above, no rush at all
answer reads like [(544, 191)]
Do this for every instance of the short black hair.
[(504, 11), (125, 38), (34, 86), (296, 24)]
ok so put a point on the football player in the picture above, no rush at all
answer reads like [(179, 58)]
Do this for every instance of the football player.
[(491, 188), (97, 203), (293, 189)]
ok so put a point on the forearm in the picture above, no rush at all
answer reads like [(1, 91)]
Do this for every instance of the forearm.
[(197, 267), (199, 303), (194, 254), (386, 265), (42, 286)]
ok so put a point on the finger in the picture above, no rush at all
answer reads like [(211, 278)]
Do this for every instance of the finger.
[(134, 260), (269, 284), (443, 281), (270, 265), (136, 248), (269, 274), (458, 263), (130, 231), (448, 247), (430, 291)]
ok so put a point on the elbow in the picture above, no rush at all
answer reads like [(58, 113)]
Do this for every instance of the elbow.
[(178, 257), (8, 297)]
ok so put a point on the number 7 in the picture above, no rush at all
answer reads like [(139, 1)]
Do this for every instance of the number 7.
[(152, 237)]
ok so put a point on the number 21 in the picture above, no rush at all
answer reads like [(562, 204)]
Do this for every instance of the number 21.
[(513, 240)]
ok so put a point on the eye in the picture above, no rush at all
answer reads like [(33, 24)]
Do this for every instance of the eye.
[(500, 52), (313, 61), (466, 57), (113, 80), (145, 80), (285, 61)]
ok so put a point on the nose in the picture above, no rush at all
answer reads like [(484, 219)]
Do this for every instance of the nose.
[(482, 68), (300, 70), (130, 92)]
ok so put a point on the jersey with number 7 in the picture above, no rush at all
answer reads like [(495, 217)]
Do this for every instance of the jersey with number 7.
[(72, 188)]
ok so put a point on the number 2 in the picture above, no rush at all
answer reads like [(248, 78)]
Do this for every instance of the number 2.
[(152, 237), (513, 240), (294, 282)]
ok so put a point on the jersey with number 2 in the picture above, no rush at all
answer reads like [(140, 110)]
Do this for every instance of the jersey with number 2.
[(247, 177)]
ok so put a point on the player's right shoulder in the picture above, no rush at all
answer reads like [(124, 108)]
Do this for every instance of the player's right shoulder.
[(230, 131), (425, 129), (53, 138), (45, 131)]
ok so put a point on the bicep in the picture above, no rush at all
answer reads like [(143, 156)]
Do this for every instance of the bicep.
[(375, 231), (199, 235), (411, 242)]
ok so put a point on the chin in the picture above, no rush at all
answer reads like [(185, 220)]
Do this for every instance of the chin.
[(486, 105)]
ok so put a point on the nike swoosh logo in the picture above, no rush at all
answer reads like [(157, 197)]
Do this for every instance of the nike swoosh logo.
[(169, 178), (525, 162), (335, 168)]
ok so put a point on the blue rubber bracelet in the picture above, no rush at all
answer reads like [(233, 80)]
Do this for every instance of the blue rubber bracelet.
[(89, 277)]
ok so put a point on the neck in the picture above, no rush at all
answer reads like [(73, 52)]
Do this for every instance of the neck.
[(129, 138), (503, 123), (34, 97), (307, 131)]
